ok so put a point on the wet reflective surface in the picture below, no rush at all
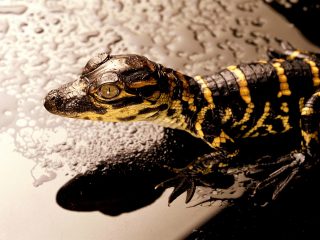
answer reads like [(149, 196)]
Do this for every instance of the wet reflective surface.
[(45, 44)]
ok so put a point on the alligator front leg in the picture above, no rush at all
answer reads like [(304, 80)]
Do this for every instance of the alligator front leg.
[(197, 173)]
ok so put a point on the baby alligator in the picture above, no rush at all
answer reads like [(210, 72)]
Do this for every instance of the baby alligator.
[(245, 101)]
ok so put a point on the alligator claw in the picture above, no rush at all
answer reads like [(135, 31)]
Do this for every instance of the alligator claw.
[(184, 185), (190, 192), (183, 182), (168, 183), (280, 178)]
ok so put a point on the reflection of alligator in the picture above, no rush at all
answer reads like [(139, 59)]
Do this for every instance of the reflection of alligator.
[(265, 98)]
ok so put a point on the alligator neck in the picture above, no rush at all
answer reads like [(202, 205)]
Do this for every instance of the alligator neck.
[(187, 101)]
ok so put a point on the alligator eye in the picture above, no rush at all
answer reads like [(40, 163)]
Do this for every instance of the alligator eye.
[(109, 91)]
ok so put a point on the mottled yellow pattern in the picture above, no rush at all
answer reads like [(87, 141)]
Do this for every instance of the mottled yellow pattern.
[(260, 122)]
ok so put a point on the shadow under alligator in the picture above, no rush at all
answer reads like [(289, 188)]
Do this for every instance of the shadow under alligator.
[(126, 183), (110, 194)]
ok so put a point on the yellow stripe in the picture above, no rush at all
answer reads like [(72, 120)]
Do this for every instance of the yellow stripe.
[(208, 96), (143, 83), (284, 86), (315, 72), (244, 93), (206, 91), (242, 82)]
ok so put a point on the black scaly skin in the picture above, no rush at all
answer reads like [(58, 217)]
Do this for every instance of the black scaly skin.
[(297, 106), (246, 101)]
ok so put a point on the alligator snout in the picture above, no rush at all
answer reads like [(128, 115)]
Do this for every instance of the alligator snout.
[(50, 101), (72, 100)]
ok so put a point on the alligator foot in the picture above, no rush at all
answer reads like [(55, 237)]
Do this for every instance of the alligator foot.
[(184, 181), (280, 178)]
